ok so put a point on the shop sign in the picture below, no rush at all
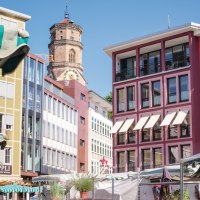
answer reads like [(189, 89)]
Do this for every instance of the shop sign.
[(6, 169)]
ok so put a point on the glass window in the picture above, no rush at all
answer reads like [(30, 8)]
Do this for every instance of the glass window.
[(38, 99), (150, 63), (82, 97), (120, 100), (121, 161), (173, 154), (157, 157), (172, 131), (131, 160), (145, 95), (10, 90), (121, 138), (1, 123), (185, 151), (31, 70), (146, 157), (8, 156), (25, 67), (177, 56), (131, 98), (82, 120), (183, 88), (156, 133), (127, 69), (3, 89), (49, 103), (39, 73), (185, 130), (156, 93), (171, 90), (131, 136), (145, 135)]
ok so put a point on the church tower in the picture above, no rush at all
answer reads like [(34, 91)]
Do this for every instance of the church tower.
[(65, 51)]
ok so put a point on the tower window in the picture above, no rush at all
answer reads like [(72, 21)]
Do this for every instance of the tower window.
[(72, 55)]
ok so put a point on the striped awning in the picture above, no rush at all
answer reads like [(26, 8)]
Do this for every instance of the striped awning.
[(18, 188)]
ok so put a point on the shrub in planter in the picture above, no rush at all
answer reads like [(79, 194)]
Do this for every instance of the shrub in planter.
[(56, 191)]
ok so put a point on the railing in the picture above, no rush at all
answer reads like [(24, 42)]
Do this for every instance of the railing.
[(121, 76), (181, 61), (149, 69)]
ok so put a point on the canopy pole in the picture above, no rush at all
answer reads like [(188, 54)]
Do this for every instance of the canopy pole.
[(93, 189), (181, 181), (112, 188)]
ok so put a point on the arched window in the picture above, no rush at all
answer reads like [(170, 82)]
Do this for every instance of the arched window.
[(72, 55)]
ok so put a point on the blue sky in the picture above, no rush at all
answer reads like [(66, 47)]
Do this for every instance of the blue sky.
[(104, 22)]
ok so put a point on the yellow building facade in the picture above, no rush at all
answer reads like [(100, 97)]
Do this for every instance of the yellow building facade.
[(11, 86)]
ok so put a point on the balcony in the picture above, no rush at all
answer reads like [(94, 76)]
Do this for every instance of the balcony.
[(121, 76)]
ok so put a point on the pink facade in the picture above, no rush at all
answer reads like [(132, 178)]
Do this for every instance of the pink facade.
[(80, 94), (154, 76)]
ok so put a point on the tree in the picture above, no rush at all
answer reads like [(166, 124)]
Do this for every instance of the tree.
[(108, 98)]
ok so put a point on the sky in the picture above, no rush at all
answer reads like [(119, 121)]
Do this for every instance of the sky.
[(104, 23)]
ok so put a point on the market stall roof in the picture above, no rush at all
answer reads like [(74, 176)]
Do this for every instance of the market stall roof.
[(18, 188)]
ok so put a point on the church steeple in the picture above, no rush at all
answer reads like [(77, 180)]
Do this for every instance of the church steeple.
[(66, 16), (66, 49)]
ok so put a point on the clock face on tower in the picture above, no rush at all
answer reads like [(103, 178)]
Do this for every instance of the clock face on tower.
[(71, 75)]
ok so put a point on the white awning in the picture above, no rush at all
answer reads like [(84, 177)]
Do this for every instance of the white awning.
[(141, 123), (126, 125), (180, 117), (116, 126), (152, 121), (168, 119)]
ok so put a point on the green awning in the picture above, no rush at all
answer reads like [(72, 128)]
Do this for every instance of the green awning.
[(18, 188)]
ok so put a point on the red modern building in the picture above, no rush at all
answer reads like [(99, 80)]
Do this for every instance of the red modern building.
[(156, 95)]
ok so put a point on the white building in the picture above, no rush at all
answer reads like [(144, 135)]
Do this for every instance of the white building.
[(99, 138), (60, 119)]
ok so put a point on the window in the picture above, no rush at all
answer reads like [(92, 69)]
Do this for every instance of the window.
[(121, 161), (9, 122), (145, 95), (172, 131), (82, 97), (10, 90), (131, 160), (171, 90), (121, 138), (177, 56), (150, 63), (131, 136), (31, 70), (183, 88), (127, 69), (1, 123), (185, 151), (120, 100), (156, 133), (173, 154), (156, 93), (82, 166), (145, 135), (39, 73), (82, 143), (157, 157), (72, 55), (96, 108), (7, 155), (49, 103), (185, 130), (131, 98), (3, 89), (82, 120), (146, 156)]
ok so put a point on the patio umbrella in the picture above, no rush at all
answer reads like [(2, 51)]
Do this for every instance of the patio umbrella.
[(165, 189)]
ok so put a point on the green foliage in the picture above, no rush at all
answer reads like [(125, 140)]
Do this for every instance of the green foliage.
[(108, 98), (56, 191), (175, 195), (83, 184)]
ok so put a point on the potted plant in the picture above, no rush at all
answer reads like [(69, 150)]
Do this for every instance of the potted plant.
[(56, 191), (83, 184)]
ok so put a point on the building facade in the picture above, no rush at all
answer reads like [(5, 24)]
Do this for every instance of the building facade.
[(60, 131), (99, 137), (11, 106), (32, 116), (155, 98)]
